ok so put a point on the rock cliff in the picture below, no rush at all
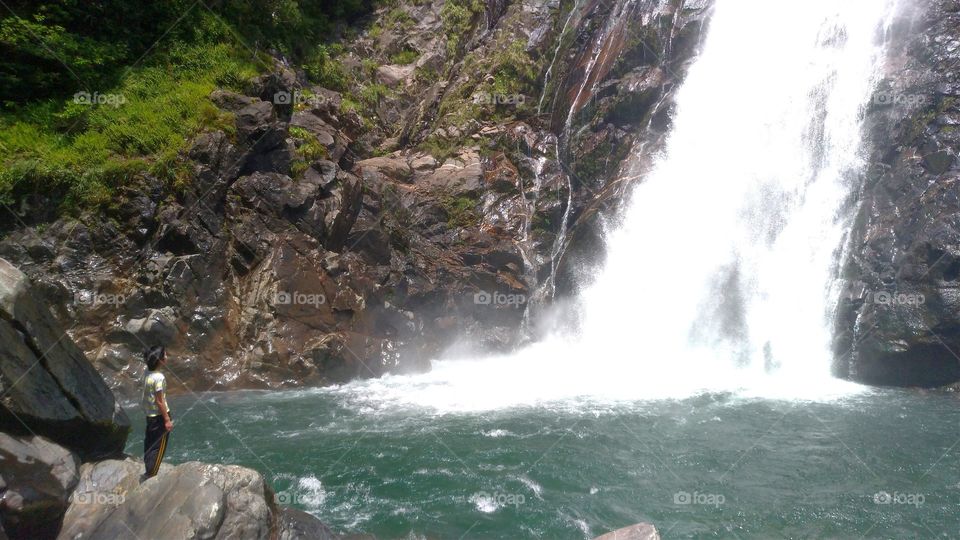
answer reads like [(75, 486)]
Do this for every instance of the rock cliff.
[(898, 319), (59, 422)]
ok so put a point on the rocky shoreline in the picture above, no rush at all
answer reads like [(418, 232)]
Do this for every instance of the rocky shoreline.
[(62, 469), (63, 473)]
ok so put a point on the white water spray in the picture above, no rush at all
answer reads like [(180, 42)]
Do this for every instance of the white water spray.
[(722, 276)]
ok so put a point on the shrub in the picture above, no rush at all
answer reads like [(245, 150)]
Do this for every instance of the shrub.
[(78, 152), (404, 57)]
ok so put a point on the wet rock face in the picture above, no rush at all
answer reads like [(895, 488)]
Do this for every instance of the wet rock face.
[(618, 94), (262, 274), (49, 386), (899, 317)]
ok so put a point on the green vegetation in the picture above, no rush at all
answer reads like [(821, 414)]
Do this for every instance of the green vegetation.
[(399, 17), (461, 211), (94, 93), (51, 49), (323, 68), (404, 57), (308, 149), (371, 95), (77, 150), (594, 165), (542, 224), (641, 48), (458, 18), (439, 147), (925, 116), (504, 94), (514, 70)]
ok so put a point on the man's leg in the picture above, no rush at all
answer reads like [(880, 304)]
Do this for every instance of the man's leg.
[(152, 444), (161, 452)]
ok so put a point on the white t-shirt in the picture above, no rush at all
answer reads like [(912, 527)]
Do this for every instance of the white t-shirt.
[(153, 382)]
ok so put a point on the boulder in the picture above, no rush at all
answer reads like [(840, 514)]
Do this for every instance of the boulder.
[(297, 525), (102, 487), (394, 168), (193, 500), (462, 175), (230, 101), (190, 501), (159, 326), (640, 531), (392, 75), (36, 478), (49, 387), (255, 118)]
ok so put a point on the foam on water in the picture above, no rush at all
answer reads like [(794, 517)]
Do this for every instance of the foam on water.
[(722, 275)]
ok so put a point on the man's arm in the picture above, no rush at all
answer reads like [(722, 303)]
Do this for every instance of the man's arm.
[(161, 400)]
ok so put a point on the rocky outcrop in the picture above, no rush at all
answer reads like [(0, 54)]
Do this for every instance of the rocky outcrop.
[(898, 319), (36, 479), (189, 501), (193, 500), (101, 487), (49, 387), (640, 531), (45, 492), (292, 524)]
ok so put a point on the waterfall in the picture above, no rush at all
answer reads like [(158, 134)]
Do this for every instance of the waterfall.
[(722, 276)]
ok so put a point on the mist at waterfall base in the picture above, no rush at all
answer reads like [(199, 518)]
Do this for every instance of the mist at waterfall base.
[(696, 393)]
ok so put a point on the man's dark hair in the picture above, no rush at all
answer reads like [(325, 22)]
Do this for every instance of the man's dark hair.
[(153, 355)]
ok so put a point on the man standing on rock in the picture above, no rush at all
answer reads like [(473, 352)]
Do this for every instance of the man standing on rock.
[(154, 401)]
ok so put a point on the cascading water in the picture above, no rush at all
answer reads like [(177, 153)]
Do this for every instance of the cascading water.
[(722, 275)]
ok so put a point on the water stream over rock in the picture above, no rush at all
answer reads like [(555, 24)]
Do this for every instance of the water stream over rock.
[(722, 274)]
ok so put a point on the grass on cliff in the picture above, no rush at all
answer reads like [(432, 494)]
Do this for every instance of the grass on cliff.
[(458, 17), (147, 69), (77, 150)]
